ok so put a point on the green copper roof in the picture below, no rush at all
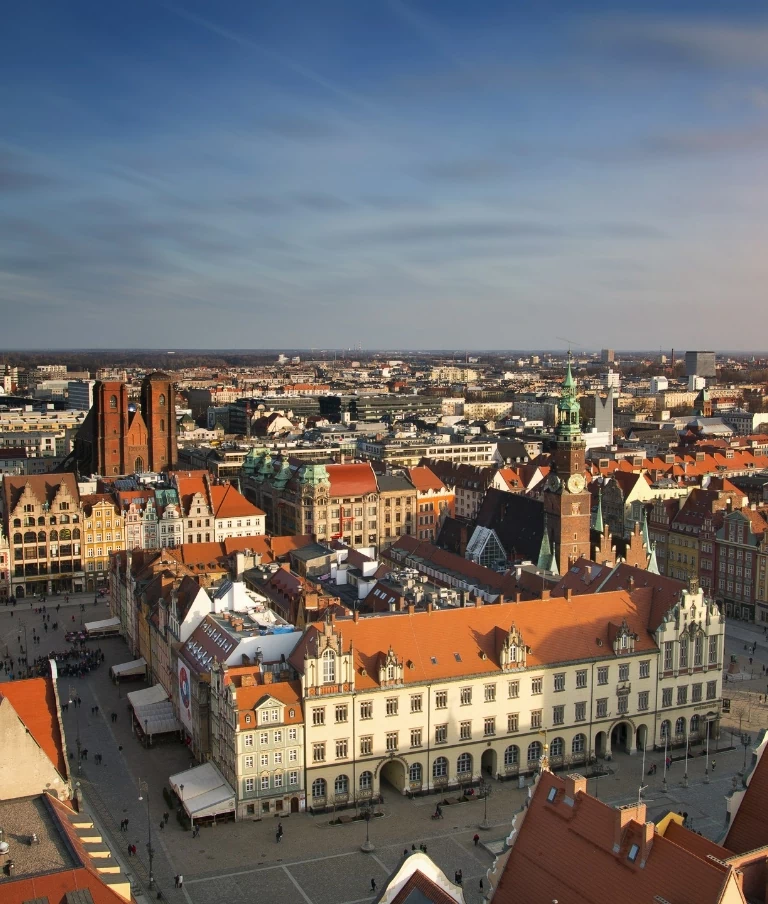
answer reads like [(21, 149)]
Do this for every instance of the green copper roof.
[(598, 526), (653, 565), (545, 552)]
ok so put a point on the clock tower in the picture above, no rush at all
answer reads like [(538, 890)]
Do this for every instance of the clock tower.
[(567, 502)]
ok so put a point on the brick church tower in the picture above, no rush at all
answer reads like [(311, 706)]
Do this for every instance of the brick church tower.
[(116, 438), (567, 502)]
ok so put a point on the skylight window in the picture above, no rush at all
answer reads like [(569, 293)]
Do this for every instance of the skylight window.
[(434, 660), (457, 657), (552, 794), (634, 850)]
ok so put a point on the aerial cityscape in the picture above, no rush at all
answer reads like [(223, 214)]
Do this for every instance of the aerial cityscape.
[(363, 367)]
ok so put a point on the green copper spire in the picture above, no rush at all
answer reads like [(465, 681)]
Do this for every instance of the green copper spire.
[(646, 534), (568, 408), (598, 525), (653, 565), (545, 552), (553, 569)]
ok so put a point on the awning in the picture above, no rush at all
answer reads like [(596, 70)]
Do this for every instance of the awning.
[(206, 791), (107, 624), (126, 669), (147, 696), (157, 718)]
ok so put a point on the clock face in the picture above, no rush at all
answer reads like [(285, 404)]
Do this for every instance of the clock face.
[(553, 481), (575, 483)]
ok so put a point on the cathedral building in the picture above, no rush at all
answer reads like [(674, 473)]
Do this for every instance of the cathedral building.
[(119, 438)]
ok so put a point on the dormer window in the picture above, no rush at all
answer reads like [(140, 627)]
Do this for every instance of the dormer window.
[(634, 850), (390, 673), (329, 667)]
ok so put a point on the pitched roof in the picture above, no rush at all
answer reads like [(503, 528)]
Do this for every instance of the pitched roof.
[(35, 703), (592, 857), (229, 503), (432, 641), (749, 828), (517, 519), (44, 486), (425, 479), (287, 692), (351, 480)]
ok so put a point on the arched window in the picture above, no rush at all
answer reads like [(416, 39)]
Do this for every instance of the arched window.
[(464, 763), (113, 401), (578, 744), (512, 755), (680, 726), (318, 788), (557, 747), (76, 533), (694, 724), (65, 535), (17, 522), (52, 519), (54, 535), (341, 785), (63, 519), (414, 773), (534, 752), (41, 536), (440, 767), (162, 425), (138, 465), (161, 400), (30, 537), (366, 781), (329, 667), (17, 538), (41, 521), (666, 727)]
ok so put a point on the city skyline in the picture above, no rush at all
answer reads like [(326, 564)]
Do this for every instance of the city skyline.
[(427, 175)]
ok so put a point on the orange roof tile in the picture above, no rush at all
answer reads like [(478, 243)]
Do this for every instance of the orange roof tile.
[(35, 704), (432, 640), (229, 503), (352, 480), (287, 692), (749, 827), (425, 479)]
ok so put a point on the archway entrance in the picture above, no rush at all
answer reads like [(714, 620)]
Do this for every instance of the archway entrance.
[(488, 762), (641, 737), (621, 738), (393, 774), (600, 739), (294, 805)]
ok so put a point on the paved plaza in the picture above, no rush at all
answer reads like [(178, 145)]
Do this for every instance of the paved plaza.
[(317, 863)]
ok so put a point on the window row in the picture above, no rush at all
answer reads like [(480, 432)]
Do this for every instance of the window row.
[(682, 693), (273, 759), (276, 736), (278, 780)]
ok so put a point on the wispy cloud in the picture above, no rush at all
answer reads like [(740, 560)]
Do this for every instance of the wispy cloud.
[(17, 174)]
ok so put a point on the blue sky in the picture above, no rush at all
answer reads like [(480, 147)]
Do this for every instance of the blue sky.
[(383, 173)]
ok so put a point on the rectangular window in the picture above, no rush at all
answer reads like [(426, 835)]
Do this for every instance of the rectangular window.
[(560, 681), (696, 690), (466, 696), (249, 784), (465, 730), (278, 757), (558, 715), (278, 736), (622, 704), (513, 722), (682, 695), (318, 715), (668, 656), (513, 689), (489, 727), (642, 700), (624, 671), (602, 674), (666, 696), (441, 734), (416, 703), (278, 780), (683, 658), (293, 755), (441, 699), (392, 706), (713, 650), (341, 712), (264, 759), (264, 737), (293, 777), (341, 750), (318, 753), (265, 783), (711, 690), (249, 762), (580, 711), (536, 718), (292, 734), (536, 684), (392, 740), (698, 651), (415, 737), (248, 740), (366, 745), (602, 708), (490, 693), (366, 709), (645, 668), (581, 678)]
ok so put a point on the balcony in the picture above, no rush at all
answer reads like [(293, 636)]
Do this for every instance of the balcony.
[(623, 688)]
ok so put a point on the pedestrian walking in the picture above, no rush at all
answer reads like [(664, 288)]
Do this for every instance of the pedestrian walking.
[(476, 839), (405, 852), (373, 885), (181, 881), (162, 825), (175, 881), (713, 765), (481, 886), (280, 829), (122, 825), (130, 850), (126, 825), (165, 818)]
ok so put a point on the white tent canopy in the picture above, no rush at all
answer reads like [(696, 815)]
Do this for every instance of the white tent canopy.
[(206, 791), (153, 710), (99, 627), (147, 696), (125, 669)]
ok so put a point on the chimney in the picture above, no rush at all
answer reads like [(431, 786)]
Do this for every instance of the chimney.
[(411, 609), (649, 830), (268, 677), (246, 681), (518, 597), (631, 583), (500, 600), (285, 566), (356, 616), (478, 601), (574, 783), (545, 594), (622, 817), (430, 607), (569, 593)]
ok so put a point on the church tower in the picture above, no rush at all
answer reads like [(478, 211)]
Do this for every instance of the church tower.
[(567, 502), (158, 408)]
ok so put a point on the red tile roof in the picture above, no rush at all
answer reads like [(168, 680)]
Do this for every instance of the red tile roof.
[(749, 827), (35, 704), (352, 480), (425, 479), (229, 503)]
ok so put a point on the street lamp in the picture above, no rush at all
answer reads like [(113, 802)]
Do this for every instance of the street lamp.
[(706, 763), (366, 847), (666, 739), (746, 740), (486, 789), (144, 789), (73, 701), (685, 776)]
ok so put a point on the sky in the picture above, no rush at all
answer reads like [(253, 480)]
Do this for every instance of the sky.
[(383, 173)]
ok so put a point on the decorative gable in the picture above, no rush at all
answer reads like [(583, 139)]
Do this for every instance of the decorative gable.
[(390, 669), (513, 651)]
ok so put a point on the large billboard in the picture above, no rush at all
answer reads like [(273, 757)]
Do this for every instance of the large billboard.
[(185, 696)]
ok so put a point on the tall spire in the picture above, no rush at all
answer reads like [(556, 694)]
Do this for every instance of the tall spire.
[(568, 408), (599, 516), (545, 552), (646, 534), (653, 565), (553, 569)]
